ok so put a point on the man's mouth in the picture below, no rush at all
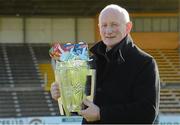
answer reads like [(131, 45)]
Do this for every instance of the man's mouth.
[(110, 37)]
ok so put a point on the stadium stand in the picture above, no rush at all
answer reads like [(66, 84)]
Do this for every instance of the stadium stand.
[(41, 52), (43, 59), (27, 103), (47, 70), (169, 65), (24, 92), (170, 101), (21, 66), (5, 74), (7, 106), (22, 84), (36, 103)]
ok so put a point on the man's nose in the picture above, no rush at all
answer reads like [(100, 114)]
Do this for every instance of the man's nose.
[(109, 30)]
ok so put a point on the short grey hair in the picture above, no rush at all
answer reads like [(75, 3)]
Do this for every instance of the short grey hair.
[(119, 9)]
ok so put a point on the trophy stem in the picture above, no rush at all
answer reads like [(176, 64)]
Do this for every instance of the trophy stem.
[(60, 106)]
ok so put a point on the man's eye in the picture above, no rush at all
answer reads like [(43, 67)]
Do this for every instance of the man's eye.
[(114, 24), (104, 25)]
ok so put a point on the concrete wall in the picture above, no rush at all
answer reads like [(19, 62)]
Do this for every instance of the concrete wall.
[(46, 30)]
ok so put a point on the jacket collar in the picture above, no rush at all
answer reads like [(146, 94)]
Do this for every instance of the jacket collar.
[(117, 53)]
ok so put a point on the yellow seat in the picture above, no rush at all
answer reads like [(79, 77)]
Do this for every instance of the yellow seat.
[(47, 71)]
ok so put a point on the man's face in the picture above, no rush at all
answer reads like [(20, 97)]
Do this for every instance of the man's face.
[(112, 27)]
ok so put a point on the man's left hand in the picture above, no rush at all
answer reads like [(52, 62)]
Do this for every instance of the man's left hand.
[(92, 113)]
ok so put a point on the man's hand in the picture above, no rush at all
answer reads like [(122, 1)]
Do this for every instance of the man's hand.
[(92, 113), (55, 92)]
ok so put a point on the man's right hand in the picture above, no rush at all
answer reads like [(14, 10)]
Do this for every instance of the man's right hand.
[(55, 92)]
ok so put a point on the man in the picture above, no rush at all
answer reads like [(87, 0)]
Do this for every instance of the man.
[(127, 86)]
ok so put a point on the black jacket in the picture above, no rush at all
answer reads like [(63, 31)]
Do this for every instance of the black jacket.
[(127, 86)]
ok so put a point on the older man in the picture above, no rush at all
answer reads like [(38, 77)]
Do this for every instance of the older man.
[(127, 86)]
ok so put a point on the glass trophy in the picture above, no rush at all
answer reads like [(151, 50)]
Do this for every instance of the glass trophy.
[(75, 77), (76, 82)]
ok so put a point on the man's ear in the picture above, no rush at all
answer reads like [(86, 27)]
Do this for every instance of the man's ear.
[(128, 27), (98, 25)]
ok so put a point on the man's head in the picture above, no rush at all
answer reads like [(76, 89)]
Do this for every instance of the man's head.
[(114, 24)]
